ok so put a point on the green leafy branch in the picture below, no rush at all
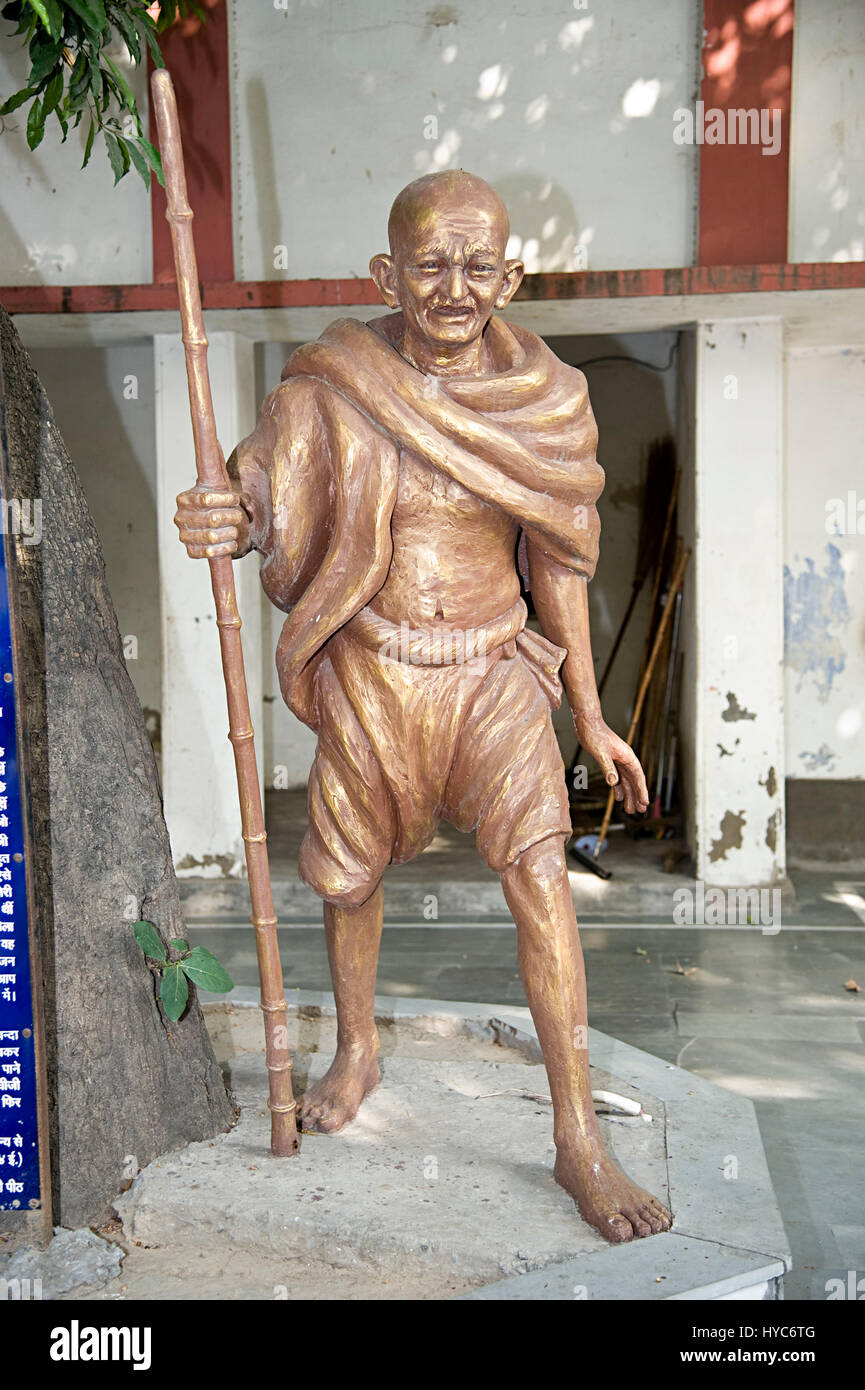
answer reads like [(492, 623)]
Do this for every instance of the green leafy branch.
[(198, 965), (73, 77)]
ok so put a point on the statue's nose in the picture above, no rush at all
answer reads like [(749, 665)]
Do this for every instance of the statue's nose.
[(457, 284)]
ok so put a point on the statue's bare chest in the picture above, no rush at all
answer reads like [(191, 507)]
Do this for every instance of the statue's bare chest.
[(427, 494)]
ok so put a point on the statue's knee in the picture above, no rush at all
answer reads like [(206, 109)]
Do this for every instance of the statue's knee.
[(327, 877), (350, 895), (544, 862)]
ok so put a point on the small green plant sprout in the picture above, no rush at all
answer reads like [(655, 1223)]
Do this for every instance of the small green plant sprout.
[(198, 965)]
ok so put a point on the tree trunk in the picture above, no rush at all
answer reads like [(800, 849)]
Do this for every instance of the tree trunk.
[(124, 1083)]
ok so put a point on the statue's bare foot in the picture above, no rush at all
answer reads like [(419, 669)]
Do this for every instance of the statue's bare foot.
[(335, 1100), (606, 1197)]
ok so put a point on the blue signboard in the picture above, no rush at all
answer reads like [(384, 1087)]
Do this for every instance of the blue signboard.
[(19, 1133)]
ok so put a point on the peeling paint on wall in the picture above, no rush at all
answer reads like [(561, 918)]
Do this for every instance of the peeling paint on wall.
[(823, 760), (772, 827), (732, 826), (734, 711), (815, 607), (727, 752), (771, 782), (224, 865)]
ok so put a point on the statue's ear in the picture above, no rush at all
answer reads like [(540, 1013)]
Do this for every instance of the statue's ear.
[(383, 272), (514, 271)]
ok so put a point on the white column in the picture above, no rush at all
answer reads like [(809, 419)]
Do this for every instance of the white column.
[(198, 779), (737, 579)]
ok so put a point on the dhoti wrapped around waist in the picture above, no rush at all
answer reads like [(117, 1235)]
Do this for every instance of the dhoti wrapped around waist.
[(417, 725), (445, 646)]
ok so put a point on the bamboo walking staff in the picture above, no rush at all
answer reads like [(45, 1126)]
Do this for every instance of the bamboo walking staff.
[(212, 475), (676, 585)]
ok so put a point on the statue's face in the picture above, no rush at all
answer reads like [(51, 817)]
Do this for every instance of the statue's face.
[(449, 274), (448, 271)]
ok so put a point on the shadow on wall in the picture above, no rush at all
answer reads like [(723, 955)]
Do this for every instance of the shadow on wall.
[(545, 231), (482, 98), (264, 173), (27, 260), (567, 114)]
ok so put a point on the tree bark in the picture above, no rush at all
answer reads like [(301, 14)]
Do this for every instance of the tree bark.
[(124, 1083)]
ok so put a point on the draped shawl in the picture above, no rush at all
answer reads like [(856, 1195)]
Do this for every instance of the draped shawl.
[(319, 472)]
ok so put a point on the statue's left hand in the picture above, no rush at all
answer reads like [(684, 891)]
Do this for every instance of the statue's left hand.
[(618, 763)]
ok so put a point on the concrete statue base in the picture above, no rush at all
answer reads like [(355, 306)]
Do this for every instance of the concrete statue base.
[(443, 1187)]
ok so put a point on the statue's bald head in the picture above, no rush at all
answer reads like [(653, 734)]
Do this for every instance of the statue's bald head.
[(448, 268), (421, 204)]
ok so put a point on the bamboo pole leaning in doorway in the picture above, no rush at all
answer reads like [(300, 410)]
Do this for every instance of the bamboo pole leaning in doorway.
[(676, 585)]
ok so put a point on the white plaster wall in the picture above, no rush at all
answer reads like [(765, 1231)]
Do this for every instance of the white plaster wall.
[(59, 224), (198, 774), (827, 136), (567, 109), (824, 559), (103, 403), (736, 575)]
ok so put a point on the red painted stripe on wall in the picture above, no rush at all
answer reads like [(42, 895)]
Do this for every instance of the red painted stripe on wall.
[(196, 55), (747, 67), (598, 284)]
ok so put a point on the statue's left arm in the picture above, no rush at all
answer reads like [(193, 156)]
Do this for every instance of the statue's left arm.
[(560, 596)]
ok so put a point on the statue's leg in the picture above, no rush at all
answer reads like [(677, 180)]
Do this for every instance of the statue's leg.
[(551, 960), (353, 938), (349, 842)]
